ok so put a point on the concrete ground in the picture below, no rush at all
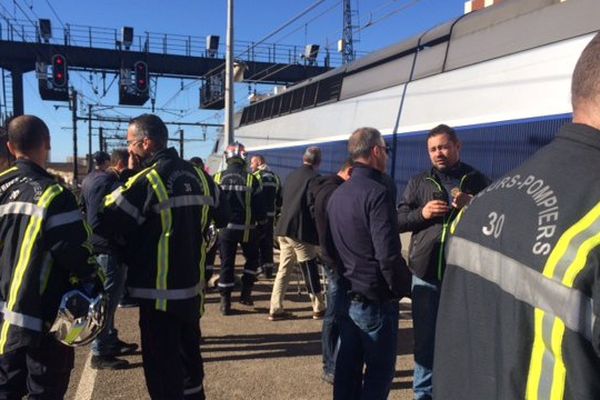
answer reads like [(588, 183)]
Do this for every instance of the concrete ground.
[(245, 355)]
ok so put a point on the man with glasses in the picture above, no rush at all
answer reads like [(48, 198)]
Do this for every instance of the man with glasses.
[(363, 237), (430, 203), (160, 217)]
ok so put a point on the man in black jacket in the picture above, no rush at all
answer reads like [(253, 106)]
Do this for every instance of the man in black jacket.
[(271, 188), (320, 192), (94, 187), (44, 251), (365, 238), (243, 194), (430, 202), (161, 215), (298, 239), (520, 305)]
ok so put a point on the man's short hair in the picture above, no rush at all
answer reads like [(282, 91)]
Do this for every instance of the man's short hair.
[(119, 155), (362, 141), (152, 127), (312, 156), (261, 159), (100, 157), (585, 84), (27, 132), (443, 129)]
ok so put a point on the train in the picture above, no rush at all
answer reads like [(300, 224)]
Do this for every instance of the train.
[(500, 76)]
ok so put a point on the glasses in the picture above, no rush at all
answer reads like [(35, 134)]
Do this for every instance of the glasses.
[(134, 142), (385, 147)]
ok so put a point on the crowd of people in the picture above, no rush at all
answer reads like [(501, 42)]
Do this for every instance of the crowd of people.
[(503, 277)]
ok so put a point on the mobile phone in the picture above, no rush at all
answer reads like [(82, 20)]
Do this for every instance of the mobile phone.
[(439, 196)]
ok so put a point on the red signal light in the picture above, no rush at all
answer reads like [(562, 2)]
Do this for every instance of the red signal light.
[(59, 70)]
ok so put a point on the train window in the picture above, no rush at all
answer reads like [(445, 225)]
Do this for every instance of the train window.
[(310, 96), (286, 103), (298, 95)]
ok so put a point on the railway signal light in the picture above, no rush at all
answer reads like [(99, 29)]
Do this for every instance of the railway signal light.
[(141, 76), (59, 70)]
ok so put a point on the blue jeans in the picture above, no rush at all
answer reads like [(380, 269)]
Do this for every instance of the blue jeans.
[(369, 337), (107, 340), (425, 303), (336, 310)]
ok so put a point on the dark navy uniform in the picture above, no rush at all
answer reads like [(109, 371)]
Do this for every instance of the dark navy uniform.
[(44, 248), (243, 194), (161, 215), (271, 187), (520, 300)]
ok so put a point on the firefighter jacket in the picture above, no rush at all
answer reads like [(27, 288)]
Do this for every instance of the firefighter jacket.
[(426, 250), (160, 217), (271, 187), (243, 193), (44, 248), (520, 301)]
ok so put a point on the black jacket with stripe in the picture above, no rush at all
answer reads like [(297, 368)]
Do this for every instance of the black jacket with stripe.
[(520, 300), (425, 253), (271, 188), (159, 217), (43, 248), (243, 194)]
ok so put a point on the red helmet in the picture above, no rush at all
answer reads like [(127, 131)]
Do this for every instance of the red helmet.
[(235, 150)]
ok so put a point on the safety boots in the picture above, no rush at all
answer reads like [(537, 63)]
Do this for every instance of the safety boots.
[(225, 306), (246, 296)]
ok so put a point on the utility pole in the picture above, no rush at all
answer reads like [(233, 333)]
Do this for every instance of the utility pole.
[(89, 157), (348, 50), (74, 109), (229, 75), (101, 138), (181, 143)]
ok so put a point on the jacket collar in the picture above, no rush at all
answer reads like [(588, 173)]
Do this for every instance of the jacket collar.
[(580, 133), (28, 167), (364, 170), (168, 153)]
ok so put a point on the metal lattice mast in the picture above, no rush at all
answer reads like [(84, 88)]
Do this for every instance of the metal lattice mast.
[(348, 50)]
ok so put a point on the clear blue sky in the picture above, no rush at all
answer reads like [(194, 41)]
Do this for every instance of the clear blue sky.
[(392, 21)]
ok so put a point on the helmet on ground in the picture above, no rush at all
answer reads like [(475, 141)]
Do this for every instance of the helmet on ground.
[(210, 237), (80, 317), (235, 150)]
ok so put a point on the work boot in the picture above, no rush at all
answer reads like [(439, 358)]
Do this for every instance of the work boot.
[(246, 296), (268, 272), (108, 362), (225, 306)]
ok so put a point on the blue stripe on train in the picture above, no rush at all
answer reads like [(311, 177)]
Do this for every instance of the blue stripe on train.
[(493, 148)]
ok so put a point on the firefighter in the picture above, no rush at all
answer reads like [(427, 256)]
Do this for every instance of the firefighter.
[(271, 185), (243, 194), (160, 215), (44, 251), (520, 301)]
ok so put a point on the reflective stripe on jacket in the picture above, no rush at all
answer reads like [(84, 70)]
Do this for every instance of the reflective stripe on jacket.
[(44, 244), (518, 316), (161, 213)]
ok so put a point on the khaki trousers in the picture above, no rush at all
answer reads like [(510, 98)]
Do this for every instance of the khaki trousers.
[(291, 252)]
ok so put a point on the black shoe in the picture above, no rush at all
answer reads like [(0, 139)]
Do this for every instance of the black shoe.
[(128, 302), (246, 296), (108, 362), (122, 349), (327, 377), (225, 306), (269, 272)]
